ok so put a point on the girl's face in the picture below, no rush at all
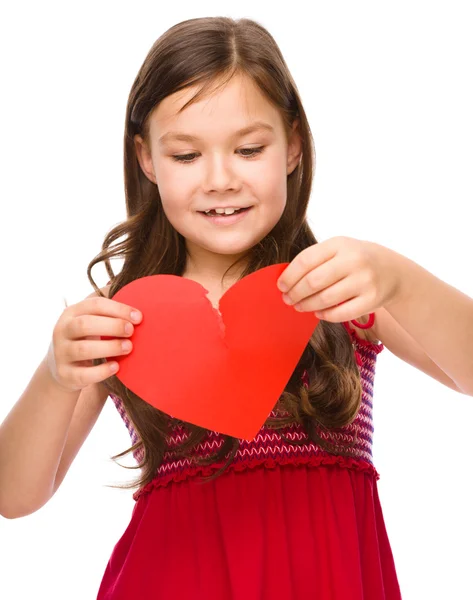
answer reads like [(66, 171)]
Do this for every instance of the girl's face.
[(211, 165)]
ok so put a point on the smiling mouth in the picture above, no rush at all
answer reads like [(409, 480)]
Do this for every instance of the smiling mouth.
[(214, 218), (212, 213)]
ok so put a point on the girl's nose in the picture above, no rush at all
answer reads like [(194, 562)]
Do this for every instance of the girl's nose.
[(220, 175)]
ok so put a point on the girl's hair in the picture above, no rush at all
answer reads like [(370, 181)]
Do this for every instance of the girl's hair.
[(208, 52)]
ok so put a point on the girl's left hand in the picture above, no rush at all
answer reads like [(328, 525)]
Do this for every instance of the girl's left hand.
[(342, 279)]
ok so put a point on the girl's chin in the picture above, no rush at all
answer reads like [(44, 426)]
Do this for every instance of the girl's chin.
[(225, 246), (226, 251)]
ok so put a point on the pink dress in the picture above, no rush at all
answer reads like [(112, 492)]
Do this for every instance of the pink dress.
[(283, 522)]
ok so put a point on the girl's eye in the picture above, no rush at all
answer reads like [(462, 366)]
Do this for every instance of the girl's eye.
[(188, 158)]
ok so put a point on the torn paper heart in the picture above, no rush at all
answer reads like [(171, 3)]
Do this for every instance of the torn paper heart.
[(222, 371)]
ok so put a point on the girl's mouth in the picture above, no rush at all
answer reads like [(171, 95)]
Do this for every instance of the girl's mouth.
[(222, 219)]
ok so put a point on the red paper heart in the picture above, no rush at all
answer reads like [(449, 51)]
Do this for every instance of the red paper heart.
[(224, 373)]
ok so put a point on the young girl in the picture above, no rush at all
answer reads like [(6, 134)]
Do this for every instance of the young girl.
[(215, 126)]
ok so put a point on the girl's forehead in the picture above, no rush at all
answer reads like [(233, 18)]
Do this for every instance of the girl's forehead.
[(232, 108)]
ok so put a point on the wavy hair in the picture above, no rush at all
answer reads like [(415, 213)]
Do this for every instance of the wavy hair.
[(207, 53)]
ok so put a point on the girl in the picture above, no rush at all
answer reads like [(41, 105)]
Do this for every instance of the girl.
[(218, 172)]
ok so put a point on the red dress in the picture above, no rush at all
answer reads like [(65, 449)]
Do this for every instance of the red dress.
[(284, 522)]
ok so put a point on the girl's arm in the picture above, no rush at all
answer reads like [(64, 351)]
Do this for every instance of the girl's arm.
[(88, 408), (40, 438), (32, 438), (439, 318)]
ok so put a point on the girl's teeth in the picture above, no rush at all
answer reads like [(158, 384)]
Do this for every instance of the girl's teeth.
[(222, 211)]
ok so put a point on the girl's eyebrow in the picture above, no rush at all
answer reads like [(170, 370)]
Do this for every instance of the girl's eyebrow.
[(184, 137)]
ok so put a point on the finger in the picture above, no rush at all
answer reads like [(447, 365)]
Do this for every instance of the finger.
[(83, 376), (330, 297), (105, 306), (317, 280), (90, 349), (310, 258), (96, 326), (347, 311)]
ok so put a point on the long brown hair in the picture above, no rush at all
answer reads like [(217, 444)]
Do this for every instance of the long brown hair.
[(203, 52)]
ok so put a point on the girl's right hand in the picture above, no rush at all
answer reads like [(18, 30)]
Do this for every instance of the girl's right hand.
[(76, 341)]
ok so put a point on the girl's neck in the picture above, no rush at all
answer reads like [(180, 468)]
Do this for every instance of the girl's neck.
[(212, 281), (214, 272)]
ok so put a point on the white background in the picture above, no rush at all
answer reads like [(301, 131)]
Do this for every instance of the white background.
[(388, 92)]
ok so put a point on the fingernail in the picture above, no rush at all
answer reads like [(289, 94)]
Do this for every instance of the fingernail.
[(282, 286), (287, 300), (135, 316)]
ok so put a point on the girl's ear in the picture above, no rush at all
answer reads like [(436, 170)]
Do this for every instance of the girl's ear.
[(143, 154), (294, 149)]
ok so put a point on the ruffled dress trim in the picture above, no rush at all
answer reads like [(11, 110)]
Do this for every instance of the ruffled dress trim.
[(267, 463)]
